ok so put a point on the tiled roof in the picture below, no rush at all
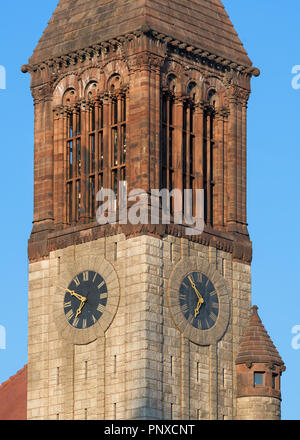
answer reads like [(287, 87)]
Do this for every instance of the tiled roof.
[(256, 345), (77, 24), (13, 397)]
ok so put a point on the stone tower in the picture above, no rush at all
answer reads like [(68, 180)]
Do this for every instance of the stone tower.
[(138, 321), (259, 369)]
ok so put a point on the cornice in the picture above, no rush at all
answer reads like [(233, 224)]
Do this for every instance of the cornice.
[(171, 45)]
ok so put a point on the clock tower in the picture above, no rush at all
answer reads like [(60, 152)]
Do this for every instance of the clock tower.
[(139, 319)]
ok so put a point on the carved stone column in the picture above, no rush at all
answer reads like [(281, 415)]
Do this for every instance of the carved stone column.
[(43, 170)]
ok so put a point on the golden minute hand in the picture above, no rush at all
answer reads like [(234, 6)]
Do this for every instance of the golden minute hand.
[(201, 300), (196, 290)]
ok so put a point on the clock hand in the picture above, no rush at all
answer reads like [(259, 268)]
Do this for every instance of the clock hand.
[(195, 289), (80, 297), (201, 300), (80, 309), (197, 310)]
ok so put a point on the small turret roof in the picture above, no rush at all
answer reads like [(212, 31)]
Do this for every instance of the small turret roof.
[(256, 345)]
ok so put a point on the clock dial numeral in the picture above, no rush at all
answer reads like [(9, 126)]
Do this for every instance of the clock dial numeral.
[(94, 278), (103, 295), (184, 308), (84, 322), (76, 281), (199, 277), (100, 308), (69, 315), (101, 285), (67, 304), (85, 276), (75, 322), (213, 316)]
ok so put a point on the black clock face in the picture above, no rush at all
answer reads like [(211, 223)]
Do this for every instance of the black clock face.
[(199, 301), (85, 299)]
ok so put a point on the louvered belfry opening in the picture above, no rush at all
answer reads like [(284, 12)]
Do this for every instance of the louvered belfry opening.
[(138, 99)]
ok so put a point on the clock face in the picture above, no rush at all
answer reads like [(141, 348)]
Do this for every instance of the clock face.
[(199, 301), (85, 299)]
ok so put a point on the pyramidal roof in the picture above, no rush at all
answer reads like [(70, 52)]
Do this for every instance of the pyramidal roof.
[(256, 345), (78, 24)]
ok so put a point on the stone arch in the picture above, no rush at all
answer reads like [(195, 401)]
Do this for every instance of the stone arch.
[(214, 93), (62, 91), (113, 70), (92, 82)]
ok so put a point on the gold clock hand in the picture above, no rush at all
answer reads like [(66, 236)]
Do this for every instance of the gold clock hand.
[(197, 310), (79, 309), (80, 297), (195, 288), (201, 300)]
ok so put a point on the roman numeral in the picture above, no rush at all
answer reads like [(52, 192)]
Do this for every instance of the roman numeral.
[(67, 304), (184, 308), (213, 316), (103, 295), (185, 285), (182, 296), (199, 324), (94, 319), (75, 322), (95, 276), (100, 308), (76, 281), (84, 323), (101, 284), (199, 277), (69, 315), (85, 276)]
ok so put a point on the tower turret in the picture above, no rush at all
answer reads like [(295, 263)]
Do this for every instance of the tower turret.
[(259, 368)]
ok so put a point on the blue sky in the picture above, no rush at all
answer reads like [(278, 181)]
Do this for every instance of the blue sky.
[(269, 31)]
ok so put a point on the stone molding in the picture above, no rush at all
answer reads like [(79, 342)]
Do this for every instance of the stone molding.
[(171, 45)]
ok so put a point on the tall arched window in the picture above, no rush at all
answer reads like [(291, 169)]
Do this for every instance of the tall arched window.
[(167, 142), (95, 173), (188, 142), (208, 156), (73, 170), (118, 140), (95, 144)]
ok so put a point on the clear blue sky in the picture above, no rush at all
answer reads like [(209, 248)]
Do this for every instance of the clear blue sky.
[(269, 30)]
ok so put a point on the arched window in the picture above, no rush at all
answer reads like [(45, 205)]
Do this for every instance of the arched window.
[(208, 156), (73, 170), (95, 143), (95, 154), (167, 149), (188, 141)]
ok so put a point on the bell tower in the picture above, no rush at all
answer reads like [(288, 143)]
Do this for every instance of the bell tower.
[(138, 319)]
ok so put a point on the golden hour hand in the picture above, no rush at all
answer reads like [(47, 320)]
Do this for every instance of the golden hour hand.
[(200, 298), (80, 297)]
